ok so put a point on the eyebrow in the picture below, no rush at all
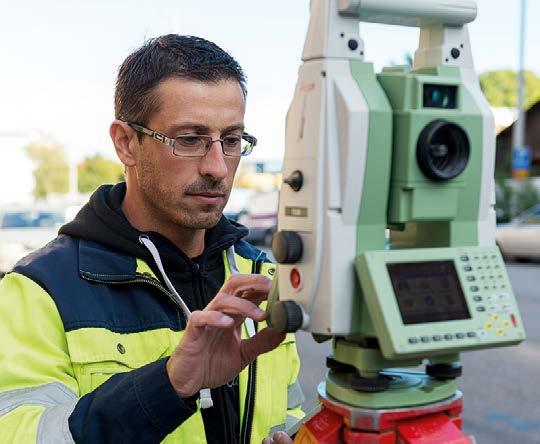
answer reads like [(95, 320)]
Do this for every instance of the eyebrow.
[(201, 128)]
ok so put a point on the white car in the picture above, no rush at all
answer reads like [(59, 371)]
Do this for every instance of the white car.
[(24, 230), (521, 237)]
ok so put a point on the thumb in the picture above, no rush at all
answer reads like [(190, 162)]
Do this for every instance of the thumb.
[(264, 341), (281, 438)]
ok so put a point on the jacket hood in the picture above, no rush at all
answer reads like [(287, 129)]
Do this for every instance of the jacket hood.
[(101, 220)]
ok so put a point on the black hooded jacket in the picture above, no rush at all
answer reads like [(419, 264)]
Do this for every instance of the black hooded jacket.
[(196, 279)]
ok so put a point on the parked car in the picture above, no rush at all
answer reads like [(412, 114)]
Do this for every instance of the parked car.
[(521, 237), (261, 218), (238, 203), (23, 230), (261, 227)]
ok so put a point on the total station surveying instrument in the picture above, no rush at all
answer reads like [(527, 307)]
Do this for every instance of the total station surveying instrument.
[(386, 224)]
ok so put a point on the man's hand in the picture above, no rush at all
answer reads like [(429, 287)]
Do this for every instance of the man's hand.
[(211, 351), (278, 438)]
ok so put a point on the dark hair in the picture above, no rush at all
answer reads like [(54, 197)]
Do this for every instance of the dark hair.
[(164, 57)]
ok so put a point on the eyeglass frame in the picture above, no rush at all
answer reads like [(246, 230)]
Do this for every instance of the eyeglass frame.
[(160, 137)]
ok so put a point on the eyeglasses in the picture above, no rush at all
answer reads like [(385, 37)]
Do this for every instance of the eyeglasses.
[(196, 145)]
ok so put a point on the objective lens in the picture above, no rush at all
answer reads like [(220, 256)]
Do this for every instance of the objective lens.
[(442, 151)]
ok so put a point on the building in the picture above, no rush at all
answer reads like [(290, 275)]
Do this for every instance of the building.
[(503, 162)]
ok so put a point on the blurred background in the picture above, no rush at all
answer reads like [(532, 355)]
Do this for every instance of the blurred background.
[(59, 63)]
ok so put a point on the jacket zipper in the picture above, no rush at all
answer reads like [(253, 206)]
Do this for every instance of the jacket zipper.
[(152, 282), (247, 422)]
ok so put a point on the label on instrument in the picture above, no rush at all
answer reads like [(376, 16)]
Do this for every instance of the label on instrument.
[(296, 211)]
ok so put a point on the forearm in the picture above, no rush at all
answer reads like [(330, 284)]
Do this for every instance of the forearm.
[(137, 407)]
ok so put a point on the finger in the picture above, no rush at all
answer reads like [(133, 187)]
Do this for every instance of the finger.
[(268, 441), (281, 438), (255, 296), (255, 284), (210, 318), (265, 340), (236, 307)]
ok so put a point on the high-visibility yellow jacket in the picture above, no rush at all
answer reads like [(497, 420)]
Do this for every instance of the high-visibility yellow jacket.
[(83, 345)]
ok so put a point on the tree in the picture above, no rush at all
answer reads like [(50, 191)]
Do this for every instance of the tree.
[(500, 88), (96, 170), (51, 173)]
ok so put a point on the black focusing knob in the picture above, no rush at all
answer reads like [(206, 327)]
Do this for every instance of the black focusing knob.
[(287, 247), (286, 316), (295, 180), (444, 371)]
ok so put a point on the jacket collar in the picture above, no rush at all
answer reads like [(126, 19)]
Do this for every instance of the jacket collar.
[(100, 262)]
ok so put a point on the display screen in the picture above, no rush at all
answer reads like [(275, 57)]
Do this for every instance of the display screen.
[(440, 96), (428, 292)]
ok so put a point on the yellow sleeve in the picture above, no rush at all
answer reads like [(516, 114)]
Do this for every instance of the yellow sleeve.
[(36, 376)]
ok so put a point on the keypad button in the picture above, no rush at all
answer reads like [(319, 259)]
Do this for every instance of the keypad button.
[(413, 340), (467, 268), (424, 339), (481, 308), (448, 336), (437, 337), (464, 258), (474, 288), (477, 298), (460, 335), (471, 278), (471, 334)]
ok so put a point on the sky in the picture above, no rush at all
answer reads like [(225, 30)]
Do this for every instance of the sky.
[(60, 58)]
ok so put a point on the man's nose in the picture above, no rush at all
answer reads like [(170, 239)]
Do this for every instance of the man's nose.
[(213, 163)]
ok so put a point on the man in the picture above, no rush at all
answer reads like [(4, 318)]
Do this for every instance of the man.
[(87, 323)]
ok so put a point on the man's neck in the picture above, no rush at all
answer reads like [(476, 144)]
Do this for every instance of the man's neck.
[(190, 241)]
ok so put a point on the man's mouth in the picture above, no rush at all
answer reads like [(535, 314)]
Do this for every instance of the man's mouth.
[(208, 197)]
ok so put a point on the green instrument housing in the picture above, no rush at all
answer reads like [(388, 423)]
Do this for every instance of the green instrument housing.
[(440, 213)]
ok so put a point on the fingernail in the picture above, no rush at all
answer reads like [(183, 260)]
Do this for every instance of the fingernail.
[(225, 320)]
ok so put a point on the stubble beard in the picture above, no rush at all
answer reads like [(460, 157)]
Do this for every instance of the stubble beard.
[(170, 206)]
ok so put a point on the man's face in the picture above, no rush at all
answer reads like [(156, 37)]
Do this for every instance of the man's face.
[(190, 192)]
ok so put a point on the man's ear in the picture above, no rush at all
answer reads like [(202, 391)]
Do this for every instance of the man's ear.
[(124, 140)]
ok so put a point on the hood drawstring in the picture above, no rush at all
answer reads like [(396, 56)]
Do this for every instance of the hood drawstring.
[(205, 394)]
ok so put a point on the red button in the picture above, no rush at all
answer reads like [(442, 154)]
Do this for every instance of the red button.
[(514, 320), (296, 278)]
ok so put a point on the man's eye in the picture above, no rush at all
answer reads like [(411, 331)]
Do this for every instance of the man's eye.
[(231, 140), (188, 140)]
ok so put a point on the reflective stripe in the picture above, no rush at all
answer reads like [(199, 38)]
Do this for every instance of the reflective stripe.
[(231, 259), (290, 421), (59, 400), (295, 395)]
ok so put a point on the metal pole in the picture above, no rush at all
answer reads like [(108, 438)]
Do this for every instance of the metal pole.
[(518, 134)]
